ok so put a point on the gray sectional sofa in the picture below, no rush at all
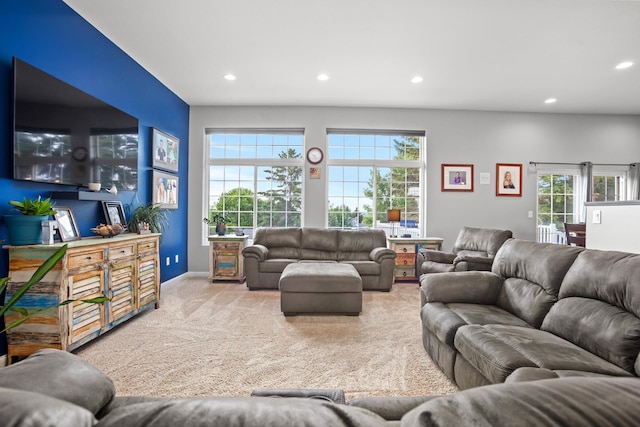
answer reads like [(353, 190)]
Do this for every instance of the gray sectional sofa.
[(544, 311), (274, 248), (56, 388)]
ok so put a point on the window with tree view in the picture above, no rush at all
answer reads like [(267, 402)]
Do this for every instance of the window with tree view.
[(255, 178), (372, 172)]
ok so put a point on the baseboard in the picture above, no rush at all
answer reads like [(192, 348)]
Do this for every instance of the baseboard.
[(3, 360), (185, 276)]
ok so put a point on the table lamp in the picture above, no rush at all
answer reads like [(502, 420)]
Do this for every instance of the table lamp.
[(393, 216)]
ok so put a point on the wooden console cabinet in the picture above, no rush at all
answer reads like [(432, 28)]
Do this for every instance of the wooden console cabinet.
[(226, 261), (406, 249), (124, 268)]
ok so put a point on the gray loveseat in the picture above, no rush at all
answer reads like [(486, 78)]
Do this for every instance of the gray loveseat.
[(544, 311), (474, 249), (274, 248), (56, 388)]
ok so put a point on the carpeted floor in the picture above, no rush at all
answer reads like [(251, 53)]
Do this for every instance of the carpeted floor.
[(222, 339)]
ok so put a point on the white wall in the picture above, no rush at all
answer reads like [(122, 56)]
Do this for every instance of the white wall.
[(480, 138), (616, 227)]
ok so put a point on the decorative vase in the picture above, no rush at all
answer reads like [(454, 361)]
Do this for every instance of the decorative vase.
[(221, 229), (24, 229)]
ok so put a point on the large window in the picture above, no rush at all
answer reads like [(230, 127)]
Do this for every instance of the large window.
[(559, 199), (370, 172), (255, 177)]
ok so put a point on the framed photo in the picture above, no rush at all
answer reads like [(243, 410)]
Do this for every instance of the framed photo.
[(67, 227), (165, 190), (114, 213), (314, 173), (508, 179), (457, 177), (166, 150)]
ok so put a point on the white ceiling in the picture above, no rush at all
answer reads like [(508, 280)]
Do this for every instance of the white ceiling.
[(503, 55)]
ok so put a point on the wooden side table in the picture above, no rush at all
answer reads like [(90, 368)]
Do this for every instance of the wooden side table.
[(406, 249), (226, 261)]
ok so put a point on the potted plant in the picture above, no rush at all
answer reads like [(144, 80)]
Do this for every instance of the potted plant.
[(12, 299), (149, 216), (220, 221), (26, 229)]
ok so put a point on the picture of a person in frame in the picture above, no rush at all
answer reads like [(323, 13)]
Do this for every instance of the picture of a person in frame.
[(457, 179), (507, 182), (161, 153)]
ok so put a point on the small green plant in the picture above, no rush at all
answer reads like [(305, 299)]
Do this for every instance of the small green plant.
[(35, 278), (37, 207), (219, 218), (152, 214)]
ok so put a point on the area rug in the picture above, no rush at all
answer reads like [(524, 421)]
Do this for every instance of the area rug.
[(220, 339)]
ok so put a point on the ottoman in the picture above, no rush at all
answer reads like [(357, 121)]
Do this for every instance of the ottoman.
[(320, 287)]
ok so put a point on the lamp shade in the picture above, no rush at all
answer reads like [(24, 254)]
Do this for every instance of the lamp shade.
[(393, 215)]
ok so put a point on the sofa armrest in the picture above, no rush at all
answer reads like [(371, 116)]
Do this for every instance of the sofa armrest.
[(438, 256), (380, 254), (390, 408), (474, 259), (470, 287), (256, 251)]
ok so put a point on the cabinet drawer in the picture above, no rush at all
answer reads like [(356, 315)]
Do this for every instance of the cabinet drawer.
[(146, 245), (117, 252), (79, 259), (226, 246), (405, 272), (404, 248), (405, 259)]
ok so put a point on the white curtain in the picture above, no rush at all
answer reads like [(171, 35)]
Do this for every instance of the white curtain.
[(634, 182), (586, 172)]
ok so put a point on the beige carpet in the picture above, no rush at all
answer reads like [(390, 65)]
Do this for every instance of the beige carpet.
[(222, 339)]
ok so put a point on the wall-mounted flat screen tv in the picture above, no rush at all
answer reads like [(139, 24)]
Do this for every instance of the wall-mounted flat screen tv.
[(63, 135)]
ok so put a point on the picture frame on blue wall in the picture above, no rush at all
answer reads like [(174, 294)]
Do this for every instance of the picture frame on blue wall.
[(165, 150), (165, 189)]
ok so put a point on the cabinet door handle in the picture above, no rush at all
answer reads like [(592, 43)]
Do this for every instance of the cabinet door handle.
[(404, 250), (89, 258), (405, 262)]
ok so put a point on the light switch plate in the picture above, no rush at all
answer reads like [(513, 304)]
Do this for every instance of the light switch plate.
[(597, 217)]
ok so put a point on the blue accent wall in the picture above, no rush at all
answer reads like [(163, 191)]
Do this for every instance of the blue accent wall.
[(51, 36)]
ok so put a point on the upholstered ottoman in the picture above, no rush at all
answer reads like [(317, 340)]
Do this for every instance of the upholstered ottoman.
[(320, 287)]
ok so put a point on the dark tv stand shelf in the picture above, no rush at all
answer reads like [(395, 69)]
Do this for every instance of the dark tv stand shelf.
[(85, 195)]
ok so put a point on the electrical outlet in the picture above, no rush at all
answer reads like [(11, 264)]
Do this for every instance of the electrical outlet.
[(177, 259), (530, 214), (168, 262)]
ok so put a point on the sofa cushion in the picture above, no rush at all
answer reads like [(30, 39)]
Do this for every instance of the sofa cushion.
[(319, 244), (599, 306), (497, 350), (241, 412), (480, 241), (282, 242), (535, 374), (60, 375), (365, 268), (275, 265), (355, 245), (28, 409), (533, 273), (445, 319), (576, 402)]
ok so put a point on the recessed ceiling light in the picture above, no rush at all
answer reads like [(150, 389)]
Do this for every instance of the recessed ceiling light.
[(550, 101), (623, 65), (229, 77), (323, 77), (416, 79)]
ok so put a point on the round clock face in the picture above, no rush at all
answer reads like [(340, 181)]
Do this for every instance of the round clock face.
[(314, 155)]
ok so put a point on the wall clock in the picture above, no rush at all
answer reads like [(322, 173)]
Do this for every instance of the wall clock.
[(315, 155)]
